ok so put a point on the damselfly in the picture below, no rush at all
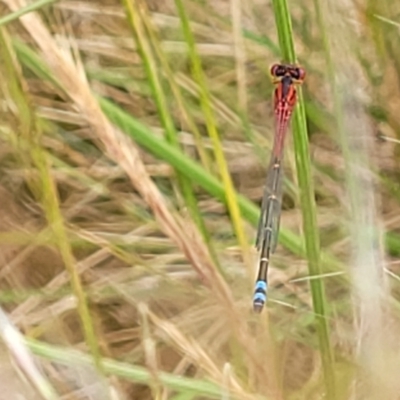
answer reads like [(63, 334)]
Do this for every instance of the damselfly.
[(285, 77)]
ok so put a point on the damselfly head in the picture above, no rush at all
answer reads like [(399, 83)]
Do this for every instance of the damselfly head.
[(297, 74)]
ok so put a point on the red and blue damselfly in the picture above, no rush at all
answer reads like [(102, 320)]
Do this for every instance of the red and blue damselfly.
[(285, 77)]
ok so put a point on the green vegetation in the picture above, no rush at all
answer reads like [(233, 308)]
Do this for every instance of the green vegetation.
[(135, 137)]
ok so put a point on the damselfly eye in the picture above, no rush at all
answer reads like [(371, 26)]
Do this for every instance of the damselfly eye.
[(278, 70), (297, 73)]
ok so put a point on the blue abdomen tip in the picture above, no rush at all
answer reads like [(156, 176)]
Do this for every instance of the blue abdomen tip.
[(260, 296)]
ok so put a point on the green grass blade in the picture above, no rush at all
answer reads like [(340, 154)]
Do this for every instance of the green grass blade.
[(307, 200), (211, 124), (136, 16), (128, 371), (184, 109), (32, 155), (160, 148), (25, 10)]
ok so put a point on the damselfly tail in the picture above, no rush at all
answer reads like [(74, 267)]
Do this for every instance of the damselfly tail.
[(268, 230)]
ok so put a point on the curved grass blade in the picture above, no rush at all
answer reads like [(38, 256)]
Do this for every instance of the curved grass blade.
[(134, 373), (25, 10)]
